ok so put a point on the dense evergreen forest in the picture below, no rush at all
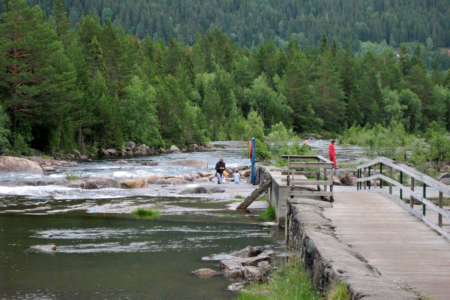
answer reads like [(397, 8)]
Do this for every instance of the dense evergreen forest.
[(95, 85)]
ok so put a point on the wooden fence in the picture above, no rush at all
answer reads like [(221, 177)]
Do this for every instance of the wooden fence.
[(367, 173), (322, 181)]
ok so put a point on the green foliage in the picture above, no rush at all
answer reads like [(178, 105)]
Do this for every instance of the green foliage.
[(269, 214), (143, 212), (97, 84), (289, 282), (74, 175), (339, 291)]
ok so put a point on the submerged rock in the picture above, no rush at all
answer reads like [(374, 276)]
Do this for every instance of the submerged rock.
[(149, 163), (119, 162), (204, 272), (239, 262), (41, 249), (19, 165), (194, 190), (49, 169), (247, 252)]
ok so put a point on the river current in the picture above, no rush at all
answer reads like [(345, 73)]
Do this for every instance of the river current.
[(104, 255)]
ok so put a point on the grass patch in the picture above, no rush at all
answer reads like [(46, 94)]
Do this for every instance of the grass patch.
[(238, 197), (339, 292), (74, 175), (288, 282), (262, 198), (142, 212), (269, 214)]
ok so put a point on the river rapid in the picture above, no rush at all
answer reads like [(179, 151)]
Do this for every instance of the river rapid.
[(104, 252)]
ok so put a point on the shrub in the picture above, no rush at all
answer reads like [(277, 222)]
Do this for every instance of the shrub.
[(74, 175), (142, 212)]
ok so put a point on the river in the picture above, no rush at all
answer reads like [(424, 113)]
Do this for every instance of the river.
[(116, 255)]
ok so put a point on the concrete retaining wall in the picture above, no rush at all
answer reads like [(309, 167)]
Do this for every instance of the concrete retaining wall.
[(310, 235)]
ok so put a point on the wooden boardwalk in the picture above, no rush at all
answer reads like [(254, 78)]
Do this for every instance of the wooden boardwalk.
[(398, 244)]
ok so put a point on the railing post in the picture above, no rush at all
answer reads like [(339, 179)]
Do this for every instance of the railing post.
[(401, 182), (390, 184), (325, 188), (359, 183), (440, 205), (365, 182), (424, 207), (381, 173), (369, 176), (411, 200)]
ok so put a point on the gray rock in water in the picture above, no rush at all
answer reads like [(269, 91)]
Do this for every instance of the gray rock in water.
[(248, 274), (236, 287), (149, 163), (239, 262), (264, 265), (194, 190), (247, 252), (119, 162), (216, 190), (204, 272)]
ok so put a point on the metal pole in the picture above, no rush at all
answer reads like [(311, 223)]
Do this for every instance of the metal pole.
[(411, 199), (390, 184), (253, 175)]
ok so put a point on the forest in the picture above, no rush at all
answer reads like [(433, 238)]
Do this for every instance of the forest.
[(98, 85)]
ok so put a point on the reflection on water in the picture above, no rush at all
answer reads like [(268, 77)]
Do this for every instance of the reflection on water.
[(116, 256)]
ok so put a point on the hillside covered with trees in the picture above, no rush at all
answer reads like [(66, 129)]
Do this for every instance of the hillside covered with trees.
[(63, 89)]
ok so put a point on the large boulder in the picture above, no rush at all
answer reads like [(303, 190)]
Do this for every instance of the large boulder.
[(144, 149), (207, 174), (104, 152), (193, 147), (135, 183), (162, 181), (152, 178), (445, 179), (95, 183), (348, 179), (9, 164), (130, 144), (247, 252), (194, 163), (112, 152), (174, 148)]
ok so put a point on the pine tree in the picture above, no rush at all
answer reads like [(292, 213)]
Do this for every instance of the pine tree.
[(60, 16), (404, 60), (28, 50)]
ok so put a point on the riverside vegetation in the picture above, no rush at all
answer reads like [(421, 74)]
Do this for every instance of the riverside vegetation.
[(96, 86)]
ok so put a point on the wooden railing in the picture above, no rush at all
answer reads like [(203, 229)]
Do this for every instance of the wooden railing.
[(322, 181), (368, 170)]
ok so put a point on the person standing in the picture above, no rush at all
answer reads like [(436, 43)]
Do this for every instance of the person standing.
[(220, 167), (237, 176), (332, 153)]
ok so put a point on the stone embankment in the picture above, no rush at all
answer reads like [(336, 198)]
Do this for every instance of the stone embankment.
[(311, 235)]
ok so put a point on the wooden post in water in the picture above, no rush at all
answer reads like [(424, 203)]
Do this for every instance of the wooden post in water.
[(411, 200), (390, 184), (440, 205)]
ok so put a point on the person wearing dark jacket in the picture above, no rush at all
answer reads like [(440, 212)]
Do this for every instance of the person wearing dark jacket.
[(220, 167)]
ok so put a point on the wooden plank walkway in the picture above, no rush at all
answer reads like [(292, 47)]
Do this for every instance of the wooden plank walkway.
[(398, 244)]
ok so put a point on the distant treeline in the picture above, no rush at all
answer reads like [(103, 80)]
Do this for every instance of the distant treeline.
[(63, 89)]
